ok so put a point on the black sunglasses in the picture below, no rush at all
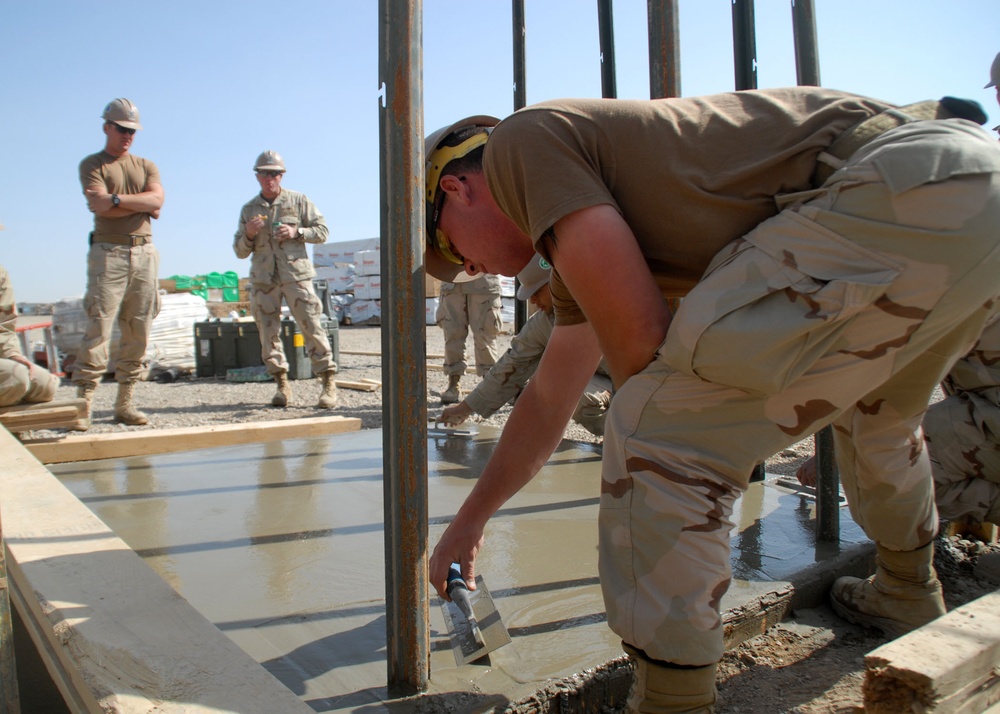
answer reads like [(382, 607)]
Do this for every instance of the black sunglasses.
[(270, 174), (123, 130)]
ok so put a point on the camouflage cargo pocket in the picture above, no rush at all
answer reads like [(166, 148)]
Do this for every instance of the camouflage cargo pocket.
[(773, 304)]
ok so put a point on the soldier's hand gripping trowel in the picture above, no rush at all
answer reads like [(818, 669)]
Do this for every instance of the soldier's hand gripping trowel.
[(474, 625)]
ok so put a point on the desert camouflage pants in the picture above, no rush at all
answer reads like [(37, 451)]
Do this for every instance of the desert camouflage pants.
[(593, 405), (848, 307), (20, 384), (457, 313), (122, 285), (965, 458), (265, 304)]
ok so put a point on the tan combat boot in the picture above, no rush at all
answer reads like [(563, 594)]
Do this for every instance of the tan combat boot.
[(84, 391), (125, 413), (902, 595), (451, 395), (283, 394), (659, 689), (328, 397)]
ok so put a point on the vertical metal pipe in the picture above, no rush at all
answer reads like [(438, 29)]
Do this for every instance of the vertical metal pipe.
[(744, 44), (520, 99), (404, 380), (806, 45), (520, 89), (827, 488), (606, 26), (664, 49), (827, 478)]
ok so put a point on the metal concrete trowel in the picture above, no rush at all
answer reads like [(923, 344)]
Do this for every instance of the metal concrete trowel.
[(436, 428), (474, 625)]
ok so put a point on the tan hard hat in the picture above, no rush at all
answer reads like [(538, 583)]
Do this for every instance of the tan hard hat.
[(123, 113), (436, 263), (994, 72), (269, 161)]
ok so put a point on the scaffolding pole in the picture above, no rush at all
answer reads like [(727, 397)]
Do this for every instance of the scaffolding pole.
[(404, 380), (664, 49), (806, 45), (744, 44), (606, 28), (520, 99)]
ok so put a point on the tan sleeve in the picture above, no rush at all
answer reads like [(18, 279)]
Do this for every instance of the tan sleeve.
[(564, 305)]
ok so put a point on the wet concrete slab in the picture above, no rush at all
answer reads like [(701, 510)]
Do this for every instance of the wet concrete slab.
[(281, 546)]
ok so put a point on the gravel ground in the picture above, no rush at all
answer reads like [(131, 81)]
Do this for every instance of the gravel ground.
[(191, 401)]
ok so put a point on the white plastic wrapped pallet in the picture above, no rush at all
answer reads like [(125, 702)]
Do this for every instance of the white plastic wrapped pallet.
[(171, 338)]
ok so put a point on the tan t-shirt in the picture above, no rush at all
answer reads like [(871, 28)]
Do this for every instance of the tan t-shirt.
[(122, 175), (689, 175)]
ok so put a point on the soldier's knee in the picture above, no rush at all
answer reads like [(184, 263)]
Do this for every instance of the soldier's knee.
[(15, 381), (44, 387)]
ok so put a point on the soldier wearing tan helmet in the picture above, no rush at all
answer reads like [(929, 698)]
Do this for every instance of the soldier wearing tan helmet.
[(273, 230), (124, 193), (831, 275), (466, 302)]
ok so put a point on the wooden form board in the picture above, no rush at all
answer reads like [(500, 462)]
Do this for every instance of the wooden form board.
[(90, 447), (47, 415), (366, 353), (114, 636), (949, 665)]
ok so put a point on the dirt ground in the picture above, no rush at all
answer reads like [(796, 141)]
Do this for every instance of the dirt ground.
[(811, 664)]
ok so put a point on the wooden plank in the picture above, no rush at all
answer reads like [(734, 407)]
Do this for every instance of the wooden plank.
[(364, 353), (88, 447), (114, 636), (754, 617), (10, 700), (361, 386), (948, 665), (48, 415)]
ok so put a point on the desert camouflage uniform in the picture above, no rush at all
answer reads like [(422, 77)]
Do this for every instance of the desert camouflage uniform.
[(507, 377), (121, 277), (476, 304), (963, 434), (18, 383), (848, 307), (283, 269)]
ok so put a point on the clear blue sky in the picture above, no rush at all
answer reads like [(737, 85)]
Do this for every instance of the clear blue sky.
[(218, 82)]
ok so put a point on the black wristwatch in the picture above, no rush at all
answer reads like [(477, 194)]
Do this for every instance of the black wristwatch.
[(115, 200)]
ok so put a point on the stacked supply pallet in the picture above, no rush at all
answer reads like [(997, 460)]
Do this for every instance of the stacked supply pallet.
[(336, 273), (367, 306), (349, 274)]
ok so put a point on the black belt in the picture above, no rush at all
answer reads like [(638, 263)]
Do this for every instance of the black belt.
[(122, 240), (873, 127)]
